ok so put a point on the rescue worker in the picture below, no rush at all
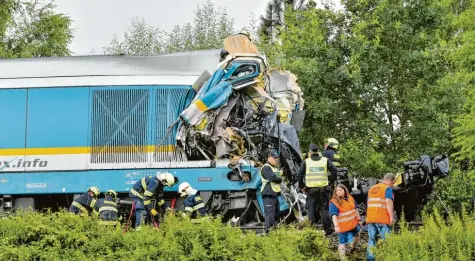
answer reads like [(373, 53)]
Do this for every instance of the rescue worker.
[(315, 182), (107, 208), (330, 151), (380, 211), (144, 190), (346, 219), (270, 189), (194, 205), (86, 202)]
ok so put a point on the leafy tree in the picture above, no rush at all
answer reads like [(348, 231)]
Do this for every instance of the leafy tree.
[(273, 17), (464, 77), (211, 25), (373, 78), (458, 190), (139, 39), (33, 29), (398, 62)]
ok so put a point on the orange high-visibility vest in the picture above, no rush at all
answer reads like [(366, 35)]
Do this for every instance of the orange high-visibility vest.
[(347, 219), (377, 211)]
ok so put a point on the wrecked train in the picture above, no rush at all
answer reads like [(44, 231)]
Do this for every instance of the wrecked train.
[(208, 117), (412, 190), (107, 121)]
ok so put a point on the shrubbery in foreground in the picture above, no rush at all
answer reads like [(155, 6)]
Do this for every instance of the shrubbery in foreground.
[(438, 239), (62, 236)]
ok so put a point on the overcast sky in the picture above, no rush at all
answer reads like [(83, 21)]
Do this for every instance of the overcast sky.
[(95, 21)]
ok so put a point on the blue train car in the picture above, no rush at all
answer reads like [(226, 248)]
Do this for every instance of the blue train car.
[(74, 122)]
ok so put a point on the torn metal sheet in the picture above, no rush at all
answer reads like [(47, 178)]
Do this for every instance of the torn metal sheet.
[(216, 93), (239, 44), (244, 110)]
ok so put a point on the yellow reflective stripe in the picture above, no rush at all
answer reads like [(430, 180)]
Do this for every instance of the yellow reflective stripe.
[(161, 202), (197, 198), (317, 174), (148, 193), (107, 208), (189, 209), (147, 202), (137, 194), (316, 178), (110, 202), (201, 205), (93, 203), (144, 184), (81, 207)]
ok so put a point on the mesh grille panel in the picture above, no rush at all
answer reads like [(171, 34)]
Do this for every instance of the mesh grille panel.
[(119, 126)]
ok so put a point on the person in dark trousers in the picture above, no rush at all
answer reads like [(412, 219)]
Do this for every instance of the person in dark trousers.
[(270, 189), (86, 202), (330, 151), (107, 208), (315, 182), (143, 192)]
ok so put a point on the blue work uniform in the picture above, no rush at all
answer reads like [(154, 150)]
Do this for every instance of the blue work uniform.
[(107, 209), (142, 194), (332, 156), (193, 205), (83, 204), (270, 196)]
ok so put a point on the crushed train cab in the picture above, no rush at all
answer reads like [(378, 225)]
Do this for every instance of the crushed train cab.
[(69, 123)]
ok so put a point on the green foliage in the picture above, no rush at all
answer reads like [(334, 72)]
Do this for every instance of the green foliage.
[(464, 77), (454, 192), (374, 77), (62, 236), (33, 29), (364, 159), (211, 25), (438, 239)]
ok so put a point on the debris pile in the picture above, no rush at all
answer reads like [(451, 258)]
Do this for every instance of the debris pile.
[(244, 110)]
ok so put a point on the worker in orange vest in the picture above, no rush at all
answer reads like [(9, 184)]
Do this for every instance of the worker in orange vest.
[(346, 219), (380, 211)]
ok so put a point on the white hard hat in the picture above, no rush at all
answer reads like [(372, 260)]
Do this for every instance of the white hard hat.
[(94, 190), (332, 142), (184, 188), (167, 179)]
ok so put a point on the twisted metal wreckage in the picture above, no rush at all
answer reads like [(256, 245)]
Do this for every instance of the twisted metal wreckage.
[(242, 111), (245, 109), (137, 116)]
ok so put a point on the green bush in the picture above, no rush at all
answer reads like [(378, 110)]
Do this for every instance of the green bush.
[(62, 236), (455, 192), (438, 239)]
